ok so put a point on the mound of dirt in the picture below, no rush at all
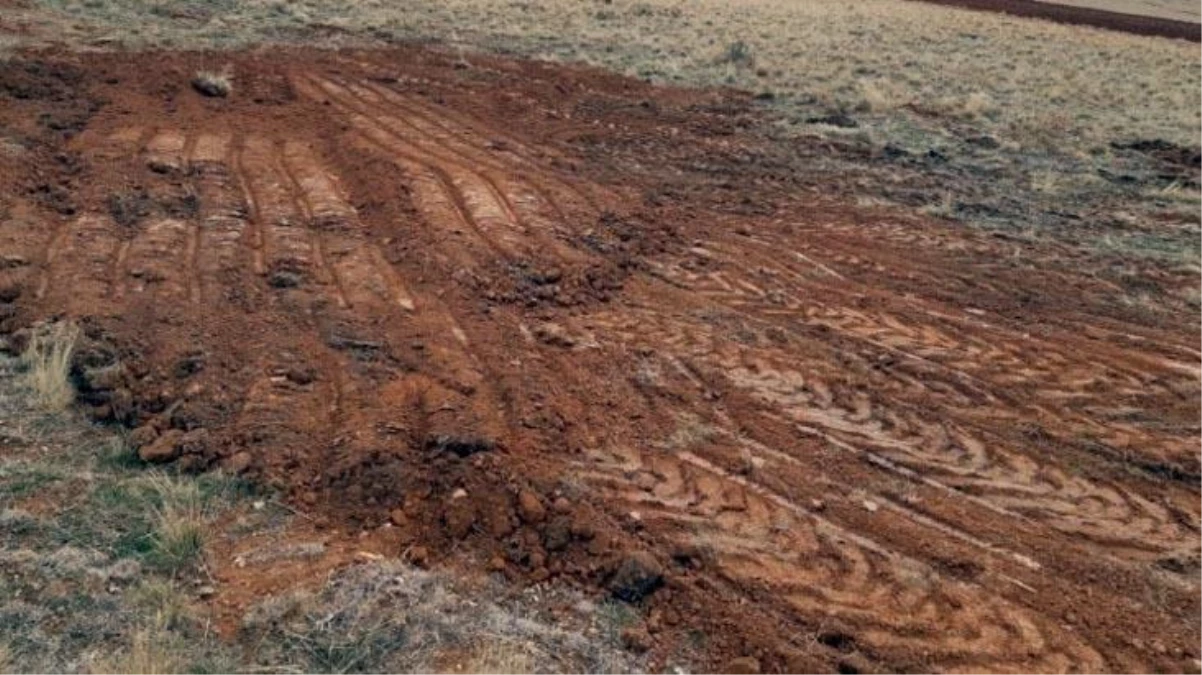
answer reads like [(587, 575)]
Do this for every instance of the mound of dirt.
[(783, 432)]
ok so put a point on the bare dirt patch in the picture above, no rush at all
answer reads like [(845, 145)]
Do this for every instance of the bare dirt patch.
[(500, 319)]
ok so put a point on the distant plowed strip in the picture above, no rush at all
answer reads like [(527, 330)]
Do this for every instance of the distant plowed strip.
[(1084, 16)]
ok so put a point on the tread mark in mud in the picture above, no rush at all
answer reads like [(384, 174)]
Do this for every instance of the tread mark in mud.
[(364, 278), (987, 470), (79, 264), (824, 570), (513, 217)]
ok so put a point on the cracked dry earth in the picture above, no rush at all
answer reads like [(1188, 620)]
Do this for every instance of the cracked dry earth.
[(394, 288)]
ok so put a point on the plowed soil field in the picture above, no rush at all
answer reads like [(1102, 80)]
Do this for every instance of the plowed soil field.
[(406, 289)]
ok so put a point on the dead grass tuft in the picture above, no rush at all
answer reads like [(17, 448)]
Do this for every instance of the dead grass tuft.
[(47, 362)]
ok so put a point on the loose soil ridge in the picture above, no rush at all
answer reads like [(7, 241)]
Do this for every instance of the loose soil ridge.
[(789, 430)]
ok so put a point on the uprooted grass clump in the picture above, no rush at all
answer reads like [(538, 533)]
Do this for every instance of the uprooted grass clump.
[(213, 84)]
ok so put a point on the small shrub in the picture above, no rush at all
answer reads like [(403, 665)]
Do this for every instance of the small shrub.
[(47, 361)]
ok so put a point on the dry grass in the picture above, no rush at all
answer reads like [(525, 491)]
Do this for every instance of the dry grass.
[(390, 617), (47, 363), (150, 650)]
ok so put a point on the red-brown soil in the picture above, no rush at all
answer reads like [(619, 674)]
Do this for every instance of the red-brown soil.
[(1085, 16), (450, 299)]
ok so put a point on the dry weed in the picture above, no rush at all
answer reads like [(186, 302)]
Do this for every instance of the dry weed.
[(47, 361)]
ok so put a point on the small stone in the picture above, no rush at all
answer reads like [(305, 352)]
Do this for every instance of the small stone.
[(496, 564), (530, 507), (459, 493), (561, 505), (871, 506), (205, 592), (817, 505), (743, 665), (164, 448)]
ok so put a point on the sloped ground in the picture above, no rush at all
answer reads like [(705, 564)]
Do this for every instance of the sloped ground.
[(107, 569), (581, 332)]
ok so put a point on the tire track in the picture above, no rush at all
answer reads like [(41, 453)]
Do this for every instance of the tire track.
[(952, 455), (532, 194), (823, 571), (508, 213), (1040, 375), (366, 280)]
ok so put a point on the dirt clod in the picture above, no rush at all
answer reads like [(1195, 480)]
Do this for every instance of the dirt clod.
[(163, 449), (636, 639), (637, 575), (531, 508)]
